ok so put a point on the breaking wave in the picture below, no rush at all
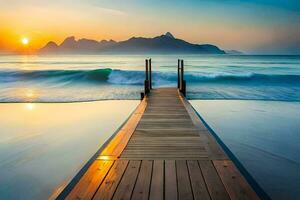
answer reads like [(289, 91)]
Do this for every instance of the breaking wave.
[(128, 77)]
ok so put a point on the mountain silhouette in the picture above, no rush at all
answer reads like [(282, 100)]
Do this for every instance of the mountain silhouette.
[(169, 35), (164, 44)]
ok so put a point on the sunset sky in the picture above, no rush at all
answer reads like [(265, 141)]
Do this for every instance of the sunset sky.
[(252, 26)]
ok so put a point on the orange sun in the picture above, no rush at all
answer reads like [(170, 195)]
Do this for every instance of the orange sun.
[(25, 41)]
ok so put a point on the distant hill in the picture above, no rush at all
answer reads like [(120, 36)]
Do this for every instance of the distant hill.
[(164, 44)]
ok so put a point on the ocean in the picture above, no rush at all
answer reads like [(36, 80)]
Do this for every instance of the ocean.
[(78, 78), (251, 103)]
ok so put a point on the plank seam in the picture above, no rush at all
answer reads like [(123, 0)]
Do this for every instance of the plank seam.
[(189, 175), (176, 178), (204, 179), (136, 179), (103, 179), (120, 180), (149, 191), (164, 179)]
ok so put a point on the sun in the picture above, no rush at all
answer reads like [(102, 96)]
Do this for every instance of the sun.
[(25, 41)]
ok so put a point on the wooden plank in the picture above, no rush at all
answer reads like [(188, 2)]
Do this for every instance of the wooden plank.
[(173, 139), (170, 180), (165, 150), (157, 182), (176, 126), (91, 180), (235, 184), (184, 142), (213, 182), (119, 142), (165, 141), (142, 186), (110, 183), (167, 145), (168, 105), (126, 185), (197, 181), (167, 128), (212, 145), (165, 133), (165, 120), (162, 158), (181, 145), (213, 148), (162, 145), (183, 181), (160, 155)]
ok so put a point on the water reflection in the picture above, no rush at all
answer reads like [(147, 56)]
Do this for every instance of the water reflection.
[(26, 94), (29, 106), (264, 136), (43, 145)]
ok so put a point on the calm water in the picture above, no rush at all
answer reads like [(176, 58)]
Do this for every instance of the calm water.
[(264, 136), (272, 83), (43, 145)]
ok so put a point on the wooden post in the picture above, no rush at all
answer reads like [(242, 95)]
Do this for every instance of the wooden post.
[(142, 95), (183, 90), (182, 75), (178, 74), (146, 77), (146, 83), (181, 84), (150, 73)]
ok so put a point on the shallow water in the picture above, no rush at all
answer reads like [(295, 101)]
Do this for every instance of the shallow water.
[(264, 136), (43, 145)]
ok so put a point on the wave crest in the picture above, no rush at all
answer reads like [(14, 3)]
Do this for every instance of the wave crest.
[(128, 77)]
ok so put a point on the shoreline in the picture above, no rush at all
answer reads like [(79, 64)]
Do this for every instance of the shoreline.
[(101, 100)]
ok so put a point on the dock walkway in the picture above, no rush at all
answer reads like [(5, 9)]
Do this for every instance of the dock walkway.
[(163, 151)]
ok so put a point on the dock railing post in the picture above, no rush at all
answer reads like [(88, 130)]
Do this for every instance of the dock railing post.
[(150, 73), (181, 74), (181, 82), (146, 83), (178, 74), (146, 72)]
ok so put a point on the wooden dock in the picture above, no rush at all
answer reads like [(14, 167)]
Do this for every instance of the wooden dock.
[(163, 151)]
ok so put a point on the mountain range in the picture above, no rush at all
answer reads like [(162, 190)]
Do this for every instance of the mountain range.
[(163, 44)]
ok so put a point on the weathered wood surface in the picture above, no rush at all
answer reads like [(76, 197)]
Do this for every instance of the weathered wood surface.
[(163, 152)]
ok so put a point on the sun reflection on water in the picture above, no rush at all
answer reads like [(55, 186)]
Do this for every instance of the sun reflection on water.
[(26, 94), (29, 106)]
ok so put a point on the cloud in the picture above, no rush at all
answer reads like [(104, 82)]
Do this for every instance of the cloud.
[(111, 11)]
